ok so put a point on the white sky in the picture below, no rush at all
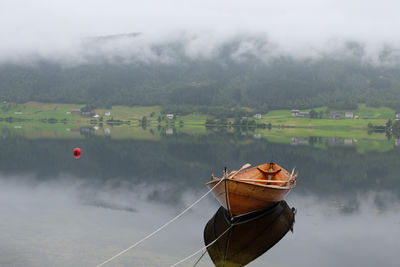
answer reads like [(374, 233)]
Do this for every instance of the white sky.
[(55, 27)]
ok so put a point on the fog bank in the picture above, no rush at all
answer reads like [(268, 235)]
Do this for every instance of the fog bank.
[(69, 31)]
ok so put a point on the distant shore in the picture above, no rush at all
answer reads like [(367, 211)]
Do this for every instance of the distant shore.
[(152, 115)]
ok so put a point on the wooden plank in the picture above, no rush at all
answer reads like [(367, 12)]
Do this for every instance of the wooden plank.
[(265, 181), (268, 172)]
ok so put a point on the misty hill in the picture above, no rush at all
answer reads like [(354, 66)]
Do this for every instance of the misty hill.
[(231, 76)]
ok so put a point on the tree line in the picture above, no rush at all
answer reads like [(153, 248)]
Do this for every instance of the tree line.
[(192, 159), (207, 86)]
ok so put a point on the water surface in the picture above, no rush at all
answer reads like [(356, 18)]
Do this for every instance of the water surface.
[(59, 211)]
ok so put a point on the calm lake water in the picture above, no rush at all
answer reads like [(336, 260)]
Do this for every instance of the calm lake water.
[(59, 211)]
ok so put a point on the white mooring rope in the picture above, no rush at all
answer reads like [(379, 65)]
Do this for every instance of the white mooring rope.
[(162, 227), (203, 248)]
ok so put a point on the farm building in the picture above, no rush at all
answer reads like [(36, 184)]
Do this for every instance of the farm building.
[(295, 112), (303, 114)]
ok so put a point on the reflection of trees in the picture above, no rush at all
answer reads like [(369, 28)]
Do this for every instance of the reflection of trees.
[(396, 129), (189, 161)]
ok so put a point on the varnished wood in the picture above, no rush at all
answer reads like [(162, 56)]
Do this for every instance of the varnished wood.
[(264, 181), (268, 172), (253, 188)]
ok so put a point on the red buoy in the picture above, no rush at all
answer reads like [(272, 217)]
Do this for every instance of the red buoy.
[(77, 152)]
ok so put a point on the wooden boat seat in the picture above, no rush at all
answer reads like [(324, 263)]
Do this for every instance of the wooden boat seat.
[(268, 172), (264, 181)]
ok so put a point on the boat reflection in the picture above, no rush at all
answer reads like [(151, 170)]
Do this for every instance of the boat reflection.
[(249, 236)]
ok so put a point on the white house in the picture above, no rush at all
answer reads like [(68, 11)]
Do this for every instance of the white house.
[(169, 131), (257, 116), (348, 115), (295, 112), (107, 113), (303, 114), (170, 116), (96, 116), (397, 116)]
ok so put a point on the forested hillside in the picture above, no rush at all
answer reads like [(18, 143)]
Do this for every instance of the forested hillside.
[(282, 82)]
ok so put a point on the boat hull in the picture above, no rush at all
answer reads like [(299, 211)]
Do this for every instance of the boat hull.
[(239, 197)]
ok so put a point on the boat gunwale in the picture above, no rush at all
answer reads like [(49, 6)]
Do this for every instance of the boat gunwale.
[(250, 183)]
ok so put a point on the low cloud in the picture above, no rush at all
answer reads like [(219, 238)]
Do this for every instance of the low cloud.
[(76, 32)]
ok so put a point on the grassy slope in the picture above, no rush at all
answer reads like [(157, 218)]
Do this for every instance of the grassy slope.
[(38, 111), (193, 119), (377, 116), (354, 129), (131, 113)]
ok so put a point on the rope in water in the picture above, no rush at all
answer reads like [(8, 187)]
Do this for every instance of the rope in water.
[(202, 255), (203, 248), (161, 227)]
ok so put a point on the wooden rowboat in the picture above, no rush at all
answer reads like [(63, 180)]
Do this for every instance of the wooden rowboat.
[(252, 189)]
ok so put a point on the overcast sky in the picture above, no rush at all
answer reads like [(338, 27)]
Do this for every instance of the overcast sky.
[(57, 27)]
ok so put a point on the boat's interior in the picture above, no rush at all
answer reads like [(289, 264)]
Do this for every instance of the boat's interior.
[(266, 174)]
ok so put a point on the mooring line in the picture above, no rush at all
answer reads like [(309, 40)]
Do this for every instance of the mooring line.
[(202, 255), (203, 248), (162, 227)]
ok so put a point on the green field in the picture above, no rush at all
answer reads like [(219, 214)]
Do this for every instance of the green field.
[(39, 111), (376, 116), (35, 111), (285, 128), (131, 113), (193, 119)]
